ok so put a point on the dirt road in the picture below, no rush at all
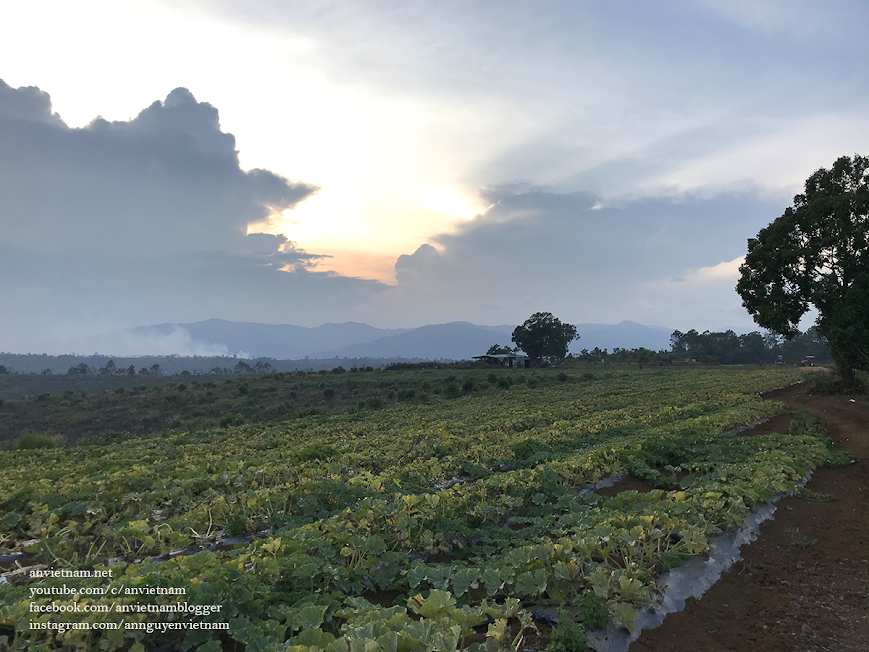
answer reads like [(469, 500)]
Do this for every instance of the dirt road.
[(803, 586)]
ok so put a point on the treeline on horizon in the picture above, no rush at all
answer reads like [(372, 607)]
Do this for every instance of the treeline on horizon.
[(173, 365), (751, 348), (692, 346), (722, 348)]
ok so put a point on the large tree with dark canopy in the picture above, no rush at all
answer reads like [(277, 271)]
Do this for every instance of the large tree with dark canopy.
[(544, 336), (817, 254)]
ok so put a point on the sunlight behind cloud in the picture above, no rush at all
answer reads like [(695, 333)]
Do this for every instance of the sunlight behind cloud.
[(448, 201)]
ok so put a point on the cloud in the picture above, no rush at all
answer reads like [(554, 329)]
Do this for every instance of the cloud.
[(569, 254), (168, 180), (136, 222), (278, 250), (129, 223), (691, 96), (724, 271), (26, 104), (420, 260)]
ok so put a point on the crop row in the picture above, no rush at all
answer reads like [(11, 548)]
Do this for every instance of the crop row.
[(358, 525)]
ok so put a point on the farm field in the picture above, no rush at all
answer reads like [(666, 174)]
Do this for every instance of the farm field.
[(78, 407), (804, 584), (463, 520)]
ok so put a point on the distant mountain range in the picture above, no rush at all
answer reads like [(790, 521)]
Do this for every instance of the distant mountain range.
[(453, 341), (279, 341)]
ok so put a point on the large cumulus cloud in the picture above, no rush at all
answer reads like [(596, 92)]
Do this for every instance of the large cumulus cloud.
[(167, 181), (141, 221)]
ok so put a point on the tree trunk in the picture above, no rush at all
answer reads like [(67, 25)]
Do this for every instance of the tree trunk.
[(848, 376)]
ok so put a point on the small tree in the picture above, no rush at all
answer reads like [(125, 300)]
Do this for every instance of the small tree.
[(643, 356), (817, 253), (544, 336), (497, 349)]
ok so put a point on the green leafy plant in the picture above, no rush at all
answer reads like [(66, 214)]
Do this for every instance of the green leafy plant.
[(33, 440), (567, 637)]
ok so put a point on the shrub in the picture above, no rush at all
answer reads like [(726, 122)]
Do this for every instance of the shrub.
[(452, 390), (316, 452), (30, 440), (825, 383), (232, 420)]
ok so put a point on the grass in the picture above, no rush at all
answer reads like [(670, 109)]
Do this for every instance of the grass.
[(799, 540)]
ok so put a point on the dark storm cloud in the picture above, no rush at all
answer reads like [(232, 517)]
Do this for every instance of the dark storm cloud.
[(167, 181)]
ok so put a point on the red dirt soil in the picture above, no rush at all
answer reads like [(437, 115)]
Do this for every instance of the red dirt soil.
[(803, 586)]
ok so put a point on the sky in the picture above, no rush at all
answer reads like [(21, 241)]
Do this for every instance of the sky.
[(406, 163)]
